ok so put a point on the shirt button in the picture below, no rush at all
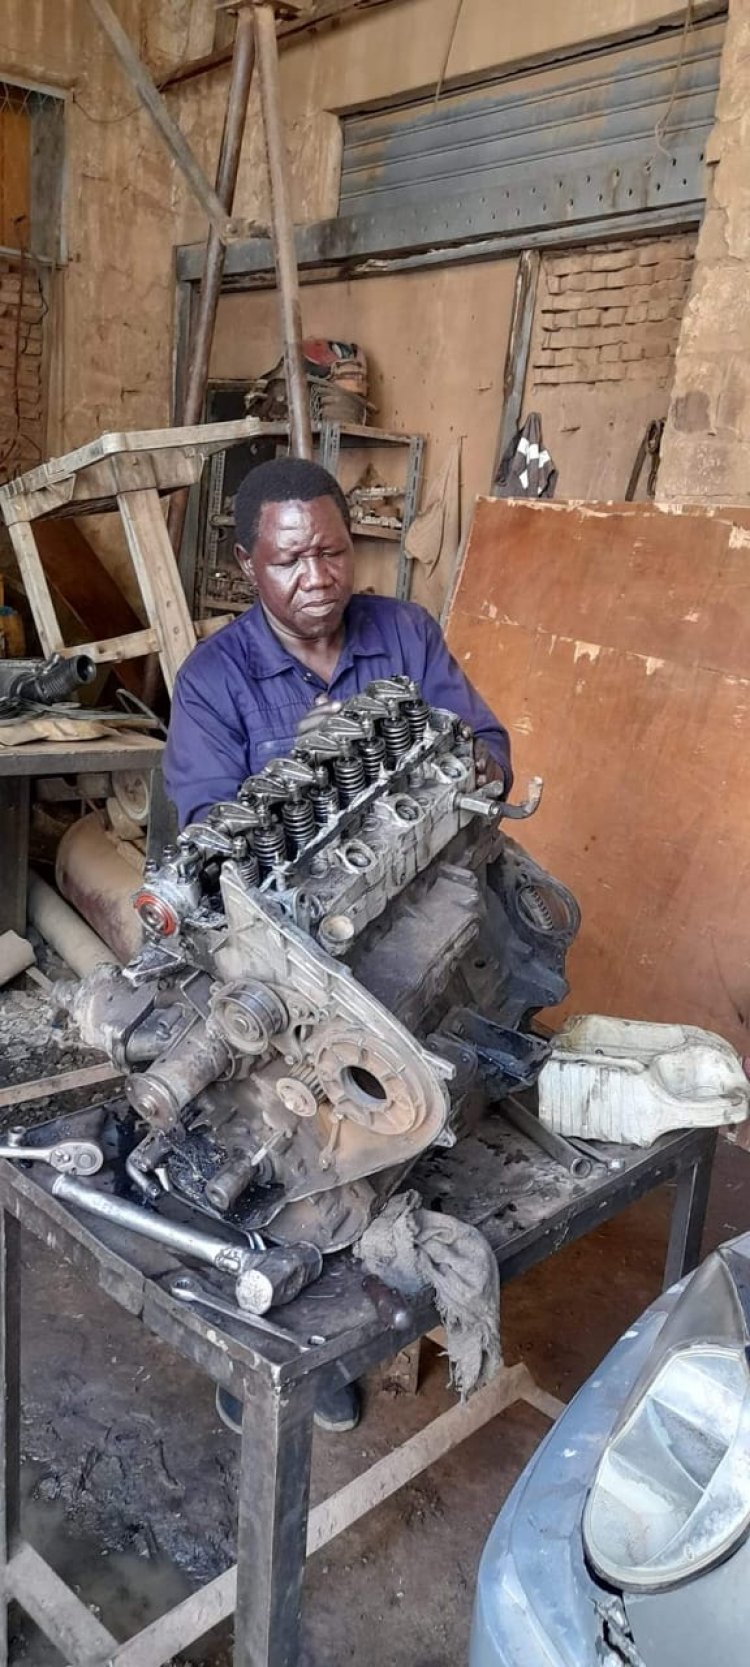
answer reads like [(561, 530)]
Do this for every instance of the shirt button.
[(309, 677)]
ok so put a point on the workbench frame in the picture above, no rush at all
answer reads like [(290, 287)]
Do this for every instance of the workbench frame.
[(20, 765), (276, 1530)]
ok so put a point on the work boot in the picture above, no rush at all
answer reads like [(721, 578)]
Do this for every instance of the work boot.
[(337, 1408)]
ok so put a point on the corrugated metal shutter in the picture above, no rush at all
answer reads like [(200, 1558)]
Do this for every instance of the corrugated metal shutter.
[(616, 133)]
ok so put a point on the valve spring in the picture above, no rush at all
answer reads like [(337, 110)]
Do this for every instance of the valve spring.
[(350, 777), (325, 803), (270, 846), (417, 715), (249, 871), (299, 823), (397, 739), (373, 756)]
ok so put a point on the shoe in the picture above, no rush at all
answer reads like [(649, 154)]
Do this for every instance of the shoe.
[(229, 1409), (337, 1407)]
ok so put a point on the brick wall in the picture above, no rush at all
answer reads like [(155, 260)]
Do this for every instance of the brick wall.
[(22, 309), (706, 444), (611, 312)]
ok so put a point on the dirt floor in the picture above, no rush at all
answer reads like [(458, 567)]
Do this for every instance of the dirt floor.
[(130, 1479)]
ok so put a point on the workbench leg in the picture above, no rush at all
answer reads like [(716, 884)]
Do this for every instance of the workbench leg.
[(10, 1404), (688, 1217), (14, 852), (272, 1527)]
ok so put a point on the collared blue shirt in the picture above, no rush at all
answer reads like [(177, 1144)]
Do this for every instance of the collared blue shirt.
[(240, 695)]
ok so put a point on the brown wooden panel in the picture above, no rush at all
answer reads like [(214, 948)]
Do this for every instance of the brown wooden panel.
[(15, 177), (615, 642)]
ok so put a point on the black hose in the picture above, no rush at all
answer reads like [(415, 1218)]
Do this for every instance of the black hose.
[(54, 681)]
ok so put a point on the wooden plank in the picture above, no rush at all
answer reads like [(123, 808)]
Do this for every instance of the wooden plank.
[(36, 587), (61, 1616), (15, 176), (87, 1076), (209, 627), (614, 640), (14, 852), (118, 750), (158, 578), (114, 649), (321, 12), (517, 352)]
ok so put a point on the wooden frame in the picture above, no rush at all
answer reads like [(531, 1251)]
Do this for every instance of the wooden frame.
[(127, 473)]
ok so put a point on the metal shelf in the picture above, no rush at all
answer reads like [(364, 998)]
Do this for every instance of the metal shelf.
[(331, 439)]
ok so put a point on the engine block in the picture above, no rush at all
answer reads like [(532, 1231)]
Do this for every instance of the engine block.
[(292, 1026)]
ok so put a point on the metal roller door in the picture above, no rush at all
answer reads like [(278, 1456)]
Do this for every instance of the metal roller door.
[(612, 136)]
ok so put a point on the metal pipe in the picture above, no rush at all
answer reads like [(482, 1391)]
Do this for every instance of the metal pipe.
[(243, 60), (285, 254), (553, 1144), (64, 930), (203, 1247)]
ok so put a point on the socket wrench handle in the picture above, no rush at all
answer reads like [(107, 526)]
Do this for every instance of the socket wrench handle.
[(69, 1157)]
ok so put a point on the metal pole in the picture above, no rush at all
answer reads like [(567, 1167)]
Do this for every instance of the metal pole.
[(300, 432), (243, 61)]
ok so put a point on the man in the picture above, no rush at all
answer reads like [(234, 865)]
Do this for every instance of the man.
[(308, 642)]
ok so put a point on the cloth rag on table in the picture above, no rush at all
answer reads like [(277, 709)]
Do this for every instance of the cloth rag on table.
[(413, 1250)]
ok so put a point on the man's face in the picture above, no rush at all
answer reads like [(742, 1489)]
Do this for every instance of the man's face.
[(302, 564)]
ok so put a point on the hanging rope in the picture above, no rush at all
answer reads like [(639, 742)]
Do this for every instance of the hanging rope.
[(448, 50)]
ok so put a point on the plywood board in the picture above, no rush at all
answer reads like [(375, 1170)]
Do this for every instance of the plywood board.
[(435, 344), (614, 641)]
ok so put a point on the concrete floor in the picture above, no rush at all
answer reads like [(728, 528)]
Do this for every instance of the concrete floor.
[(130, 1480)]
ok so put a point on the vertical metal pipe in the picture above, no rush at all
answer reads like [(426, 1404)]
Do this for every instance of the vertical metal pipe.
[(243, 61), (283, 234)]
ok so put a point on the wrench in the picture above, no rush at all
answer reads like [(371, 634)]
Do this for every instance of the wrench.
[(69, 1157), (189, 1290)]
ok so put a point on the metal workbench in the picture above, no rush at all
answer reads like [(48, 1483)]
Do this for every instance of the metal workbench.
[(20, 765), (528, 1208)]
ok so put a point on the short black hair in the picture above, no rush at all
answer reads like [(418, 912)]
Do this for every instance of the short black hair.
[(284, 480)]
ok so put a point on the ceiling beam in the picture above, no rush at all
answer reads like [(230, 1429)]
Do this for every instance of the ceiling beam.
[(322, 12)]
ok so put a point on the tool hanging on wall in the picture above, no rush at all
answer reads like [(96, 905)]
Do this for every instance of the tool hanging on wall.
[(650, 447)]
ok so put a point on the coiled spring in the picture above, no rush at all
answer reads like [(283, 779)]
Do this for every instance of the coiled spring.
[(249, 871), (299, 824), (325, 803), (350, 777), (372, 752), (397, 738), (270, 846), (417, 713)]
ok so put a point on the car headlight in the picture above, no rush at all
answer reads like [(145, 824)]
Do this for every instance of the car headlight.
[(671, 1496)]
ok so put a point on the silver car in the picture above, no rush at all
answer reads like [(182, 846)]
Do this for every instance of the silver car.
[(625, 1541)]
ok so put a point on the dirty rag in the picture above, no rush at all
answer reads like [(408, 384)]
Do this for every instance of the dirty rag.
[(413, 1250), (437, 528)]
